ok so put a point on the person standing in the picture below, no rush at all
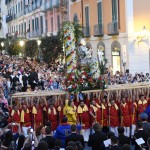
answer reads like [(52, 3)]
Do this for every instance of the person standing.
[(71, 113), (52, 117), (74, 136), (113, 117), (63, 131), (25, 120), (125, 116), (96, 139), (95, 113), (15, 118), (84, 119)]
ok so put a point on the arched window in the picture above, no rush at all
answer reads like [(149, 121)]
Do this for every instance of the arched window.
[(116, 56)]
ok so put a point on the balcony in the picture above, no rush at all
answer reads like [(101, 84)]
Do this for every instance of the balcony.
[(99, 30), (9, 18), (86, 31), (113, 29)]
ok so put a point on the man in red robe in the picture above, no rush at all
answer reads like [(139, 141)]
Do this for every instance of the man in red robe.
[(133, 115), (37, 112), (125, 116), (113, 117), (104, 111), (52, 117), (84, 120), (25, 119), (15, 118), (95, 113), (142, 104)]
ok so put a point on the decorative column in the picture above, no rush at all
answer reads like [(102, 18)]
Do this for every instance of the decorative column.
[(69, 46)]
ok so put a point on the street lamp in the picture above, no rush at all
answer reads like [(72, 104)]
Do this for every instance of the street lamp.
[(21, 44), (2, 44), (39, 50)]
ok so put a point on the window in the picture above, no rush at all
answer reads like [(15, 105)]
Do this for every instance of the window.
[(114, 11), (41, 23), (19, 28), (36, 24), (46, 26), (24, 27), (87, 16), (51, 24), (58, 22), (16, 8), (75, 18), (32, 24), (99, 11), (28, 25)]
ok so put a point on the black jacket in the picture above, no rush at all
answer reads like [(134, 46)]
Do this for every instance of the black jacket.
[(115, 147), (75, 137), (123, 139), (50, 141), (140, 134), (96, 139)]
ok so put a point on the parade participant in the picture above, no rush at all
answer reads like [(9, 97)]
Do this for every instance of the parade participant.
[(84, 120), (142, 102), (60, 110), (52, 117), (37, 112), (95, 113), (25, 119), (113, 116), (71, 113), (125, 116), (94, 97), (104, 111), (15, 118), (133, 112)]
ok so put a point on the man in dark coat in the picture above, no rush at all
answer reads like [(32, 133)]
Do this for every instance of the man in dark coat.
[(122, 138), (96, 139), (74, 136), (114, 144), (140, 134)]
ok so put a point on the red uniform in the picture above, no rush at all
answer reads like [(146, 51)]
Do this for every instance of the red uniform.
[(25, 118), (125, 115), (52, 117), (97, 112), (133, 112), (15, 117), (142, 105), (37, 116), (83, 116), (113, 115), (104, 115)]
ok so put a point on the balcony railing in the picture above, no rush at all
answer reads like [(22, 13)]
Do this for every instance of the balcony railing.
[(98, 30), (113, 28), (9, 18), (86, 31)]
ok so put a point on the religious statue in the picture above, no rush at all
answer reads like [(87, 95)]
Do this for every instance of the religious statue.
[(84, 53)]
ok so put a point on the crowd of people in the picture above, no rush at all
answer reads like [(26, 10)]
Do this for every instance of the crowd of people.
[(111, 120), (121, 116)]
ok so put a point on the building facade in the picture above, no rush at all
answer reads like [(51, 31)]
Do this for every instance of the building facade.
[(3, 13), (33, 18), (118, 28)]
